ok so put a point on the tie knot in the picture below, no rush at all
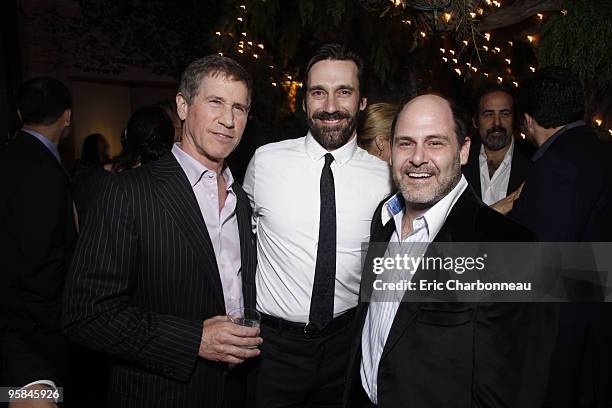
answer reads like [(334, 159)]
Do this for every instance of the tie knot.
[(328, 159)]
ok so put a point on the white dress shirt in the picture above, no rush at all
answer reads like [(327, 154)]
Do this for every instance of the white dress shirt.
[(222, 225), (283, 185), (381, 314), (495, 188)]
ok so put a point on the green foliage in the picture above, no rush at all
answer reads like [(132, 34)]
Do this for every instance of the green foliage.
[(581, 42)]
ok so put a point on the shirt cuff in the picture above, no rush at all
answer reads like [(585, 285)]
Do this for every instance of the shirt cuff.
[(43, 382)]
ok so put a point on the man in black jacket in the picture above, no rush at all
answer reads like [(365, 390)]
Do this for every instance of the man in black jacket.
[(568, 198), (443, 354), (37, 231)]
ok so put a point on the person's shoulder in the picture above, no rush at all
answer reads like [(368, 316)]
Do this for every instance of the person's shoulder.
[(279, 148)]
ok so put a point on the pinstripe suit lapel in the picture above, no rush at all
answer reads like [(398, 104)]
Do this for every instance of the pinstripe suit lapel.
[(177, 197)]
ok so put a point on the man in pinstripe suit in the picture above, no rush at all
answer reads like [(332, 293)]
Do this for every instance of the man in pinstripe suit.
[(166, 253)]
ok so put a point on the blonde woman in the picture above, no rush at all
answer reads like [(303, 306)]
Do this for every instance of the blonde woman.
[(375, 130)]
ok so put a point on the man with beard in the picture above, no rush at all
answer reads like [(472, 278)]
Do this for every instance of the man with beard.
[(442, 354), (312, 200), (497, 167)]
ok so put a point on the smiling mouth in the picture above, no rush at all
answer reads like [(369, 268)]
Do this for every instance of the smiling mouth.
[(419, 176), (223, 135)]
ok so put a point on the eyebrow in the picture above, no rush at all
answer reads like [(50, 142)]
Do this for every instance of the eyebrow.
[(322, 88), (428, 137), (222, 99), (493, 110)]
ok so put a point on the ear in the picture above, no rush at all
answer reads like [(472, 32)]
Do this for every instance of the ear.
[(67, 117), (182, 107), (363, 102), (464, 151), (474, 122), (304, 103), (380, 142)]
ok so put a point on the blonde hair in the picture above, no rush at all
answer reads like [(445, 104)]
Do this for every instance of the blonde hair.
[(378, 119)]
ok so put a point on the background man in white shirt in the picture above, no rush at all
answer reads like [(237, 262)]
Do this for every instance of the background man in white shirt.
[(443, 354), (498, 165), (312, 200)]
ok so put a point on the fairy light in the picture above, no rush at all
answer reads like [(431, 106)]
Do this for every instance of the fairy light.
[(510, 43), (255, 56), (243, 7), (508, 61), (484, 47), (480, 11), (541, 16), (445, 59), (465, 42), (261, 46), (485, 74), (487, 36), (218, 33), (273, 83), (469, 64), (455, 60), (239, 18), (610, 130), (497, 49), (244, 34), (458, 71), (250, 42), (473, 15), (423, 34), (442, 50), (241, 51), (447, 17), (532, 69), (452, 52), (474, 69), (530, 38), (500, 79), (523, 136), (598, 121), (515, 84), (220, 53), (564, 12)]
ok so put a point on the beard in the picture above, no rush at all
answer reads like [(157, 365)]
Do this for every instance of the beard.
[(336, 136), (496, 142), (425, 197)]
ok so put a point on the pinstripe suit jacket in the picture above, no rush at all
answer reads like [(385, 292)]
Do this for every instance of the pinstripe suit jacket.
[(143, 279)]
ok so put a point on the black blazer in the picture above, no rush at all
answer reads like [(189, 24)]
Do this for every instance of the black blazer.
[(459, 354), (568, 195), (37, 233), (520, 167), (143, 279)]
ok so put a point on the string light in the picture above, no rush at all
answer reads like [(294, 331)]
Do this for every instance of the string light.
[(497, 49), (523, 136), (515, 84), (261, 46), (447, 17), (218, 33), (510, 43), (473, 15), (458, 71), (465, 42), (442, 50), (445, 59), (239, 18), (255, 56), (452, 52), (455, 60), (564, 12), (598, 121), (484, 47), (423, 34), (508, 61), (532, 69), (541, 16), (500, 79), (530, 38), (487, 36), (243, 7)]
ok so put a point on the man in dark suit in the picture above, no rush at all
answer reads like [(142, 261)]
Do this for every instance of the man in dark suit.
[(499, 163), (568, 198), (37, 231), (166, 253), (441, 354)]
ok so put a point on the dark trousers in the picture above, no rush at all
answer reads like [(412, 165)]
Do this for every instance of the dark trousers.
[(299, 370)]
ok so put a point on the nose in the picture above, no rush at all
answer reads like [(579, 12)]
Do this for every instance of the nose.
[(418, 157), (331, 105), (227, 117), (497, 120)]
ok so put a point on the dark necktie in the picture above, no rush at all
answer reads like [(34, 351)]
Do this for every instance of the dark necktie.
[(322, 299)]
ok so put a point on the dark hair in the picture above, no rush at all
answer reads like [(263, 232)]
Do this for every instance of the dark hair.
[(90, 153), (340, 53), (553, 97), (489, 89), (211, 65), (457, 111), (149, 135), (43, 100)]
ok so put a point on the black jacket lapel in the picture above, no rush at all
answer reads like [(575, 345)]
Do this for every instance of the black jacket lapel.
[(177, 197)]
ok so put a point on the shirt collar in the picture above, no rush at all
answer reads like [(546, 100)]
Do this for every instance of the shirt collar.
[(546, 145), (341, 155), (434, 217), (44, 140), (194, 170)]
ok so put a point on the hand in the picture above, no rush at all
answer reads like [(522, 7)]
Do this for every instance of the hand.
[(504, 206), (225, 341), (33, 403)]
